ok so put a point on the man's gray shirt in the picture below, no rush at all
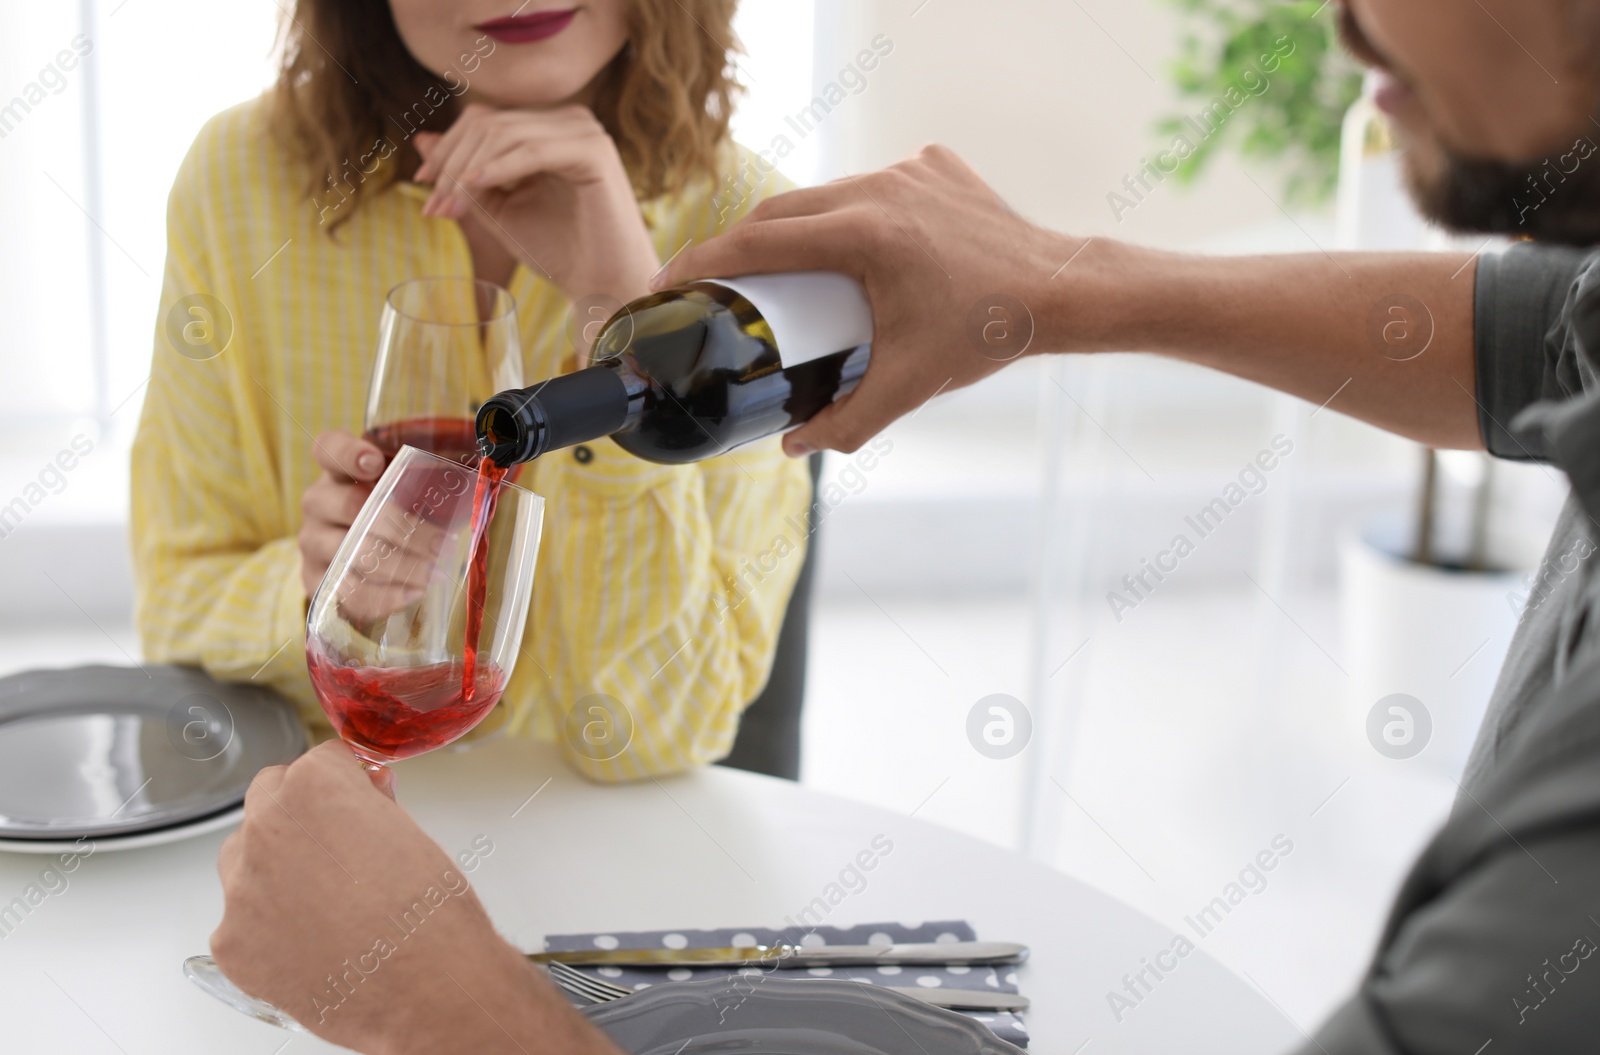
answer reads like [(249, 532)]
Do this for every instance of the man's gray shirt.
[(1490, 944)]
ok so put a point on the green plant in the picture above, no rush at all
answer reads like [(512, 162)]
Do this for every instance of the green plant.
[(1296, 118)]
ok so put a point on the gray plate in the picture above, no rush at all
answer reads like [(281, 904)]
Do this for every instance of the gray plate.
[(779, 1016), (105, 751)]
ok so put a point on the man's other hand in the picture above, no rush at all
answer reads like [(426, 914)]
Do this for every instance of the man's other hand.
[(342, 912)]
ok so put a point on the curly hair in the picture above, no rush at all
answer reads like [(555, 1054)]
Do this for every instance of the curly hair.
[(349, 97)]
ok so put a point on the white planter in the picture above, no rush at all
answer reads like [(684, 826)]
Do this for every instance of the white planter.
[(1435, 635)]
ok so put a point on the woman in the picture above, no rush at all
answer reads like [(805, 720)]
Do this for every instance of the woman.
[(562, 152)]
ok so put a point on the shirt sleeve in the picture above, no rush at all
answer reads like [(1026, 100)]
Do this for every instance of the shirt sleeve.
[(216, 567), (1526, 349)]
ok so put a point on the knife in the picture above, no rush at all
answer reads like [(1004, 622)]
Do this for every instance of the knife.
[(943, 953), (964, 999)]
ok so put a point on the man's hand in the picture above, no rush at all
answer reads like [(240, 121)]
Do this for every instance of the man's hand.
[(350, 466), (955, 278), (341, 912)]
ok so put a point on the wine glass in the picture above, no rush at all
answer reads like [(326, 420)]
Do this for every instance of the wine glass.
[(416, 627), (444, 346)]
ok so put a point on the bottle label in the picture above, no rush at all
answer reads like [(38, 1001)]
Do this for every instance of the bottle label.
[(812, 313)]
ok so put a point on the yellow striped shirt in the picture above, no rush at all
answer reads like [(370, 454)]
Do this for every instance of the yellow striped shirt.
[(656, 585)]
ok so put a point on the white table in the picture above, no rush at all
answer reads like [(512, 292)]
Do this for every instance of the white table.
[(95, 968)]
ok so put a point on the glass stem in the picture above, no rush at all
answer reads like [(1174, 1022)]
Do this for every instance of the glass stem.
[(382, 776)]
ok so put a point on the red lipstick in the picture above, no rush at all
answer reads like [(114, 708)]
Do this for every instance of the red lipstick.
[(526, 29)]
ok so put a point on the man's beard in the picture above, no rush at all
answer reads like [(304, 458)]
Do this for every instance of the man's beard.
[(1554, 199), (1540, 199)]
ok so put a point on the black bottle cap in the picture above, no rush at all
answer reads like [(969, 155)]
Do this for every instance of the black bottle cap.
[(520, 425)]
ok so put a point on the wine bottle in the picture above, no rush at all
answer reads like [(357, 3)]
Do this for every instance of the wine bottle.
[(695, 372)]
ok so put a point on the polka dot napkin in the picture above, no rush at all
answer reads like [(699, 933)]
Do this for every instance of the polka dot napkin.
[(1005, 1025)]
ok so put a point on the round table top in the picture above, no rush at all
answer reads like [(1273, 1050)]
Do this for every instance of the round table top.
[(96, 965)]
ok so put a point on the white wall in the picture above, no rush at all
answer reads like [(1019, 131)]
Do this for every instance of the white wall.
[(1052, 102)]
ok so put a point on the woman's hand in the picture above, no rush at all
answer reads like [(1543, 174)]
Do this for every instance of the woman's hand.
[(350, 466), (396, 555), (550, 187)]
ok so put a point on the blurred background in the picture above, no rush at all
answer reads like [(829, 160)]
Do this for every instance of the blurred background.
[(1307, 672)]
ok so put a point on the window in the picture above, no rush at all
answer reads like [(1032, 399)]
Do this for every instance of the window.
[(111, 94)]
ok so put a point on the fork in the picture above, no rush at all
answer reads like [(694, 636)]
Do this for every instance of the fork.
[(599, 991)]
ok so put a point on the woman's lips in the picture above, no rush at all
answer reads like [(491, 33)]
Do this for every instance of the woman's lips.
[(525, 29)]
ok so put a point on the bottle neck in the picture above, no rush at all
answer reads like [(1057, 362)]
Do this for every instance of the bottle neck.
[(522, 424)]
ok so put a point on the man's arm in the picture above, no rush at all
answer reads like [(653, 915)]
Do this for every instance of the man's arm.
[(1384, 337), (341, 912), (1387, 338)]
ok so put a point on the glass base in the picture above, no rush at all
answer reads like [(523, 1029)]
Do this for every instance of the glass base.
[(204, 972), (379, 773)]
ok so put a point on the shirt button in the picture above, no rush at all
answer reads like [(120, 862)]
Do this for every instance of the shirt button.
[(583, 454)]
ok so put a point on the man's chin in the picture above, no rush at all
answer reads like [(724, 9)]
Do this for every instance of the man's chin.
[(1555, 199)]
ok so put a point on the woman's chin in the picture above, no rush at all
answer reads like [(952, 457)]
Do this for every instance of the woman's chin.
[(532, 93)]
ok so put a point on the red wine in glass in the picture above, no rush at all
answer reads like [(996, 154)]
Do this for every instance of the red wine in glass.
[(453, 438), (444, 346), (390, 713), (441, 436), (484, 496)]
